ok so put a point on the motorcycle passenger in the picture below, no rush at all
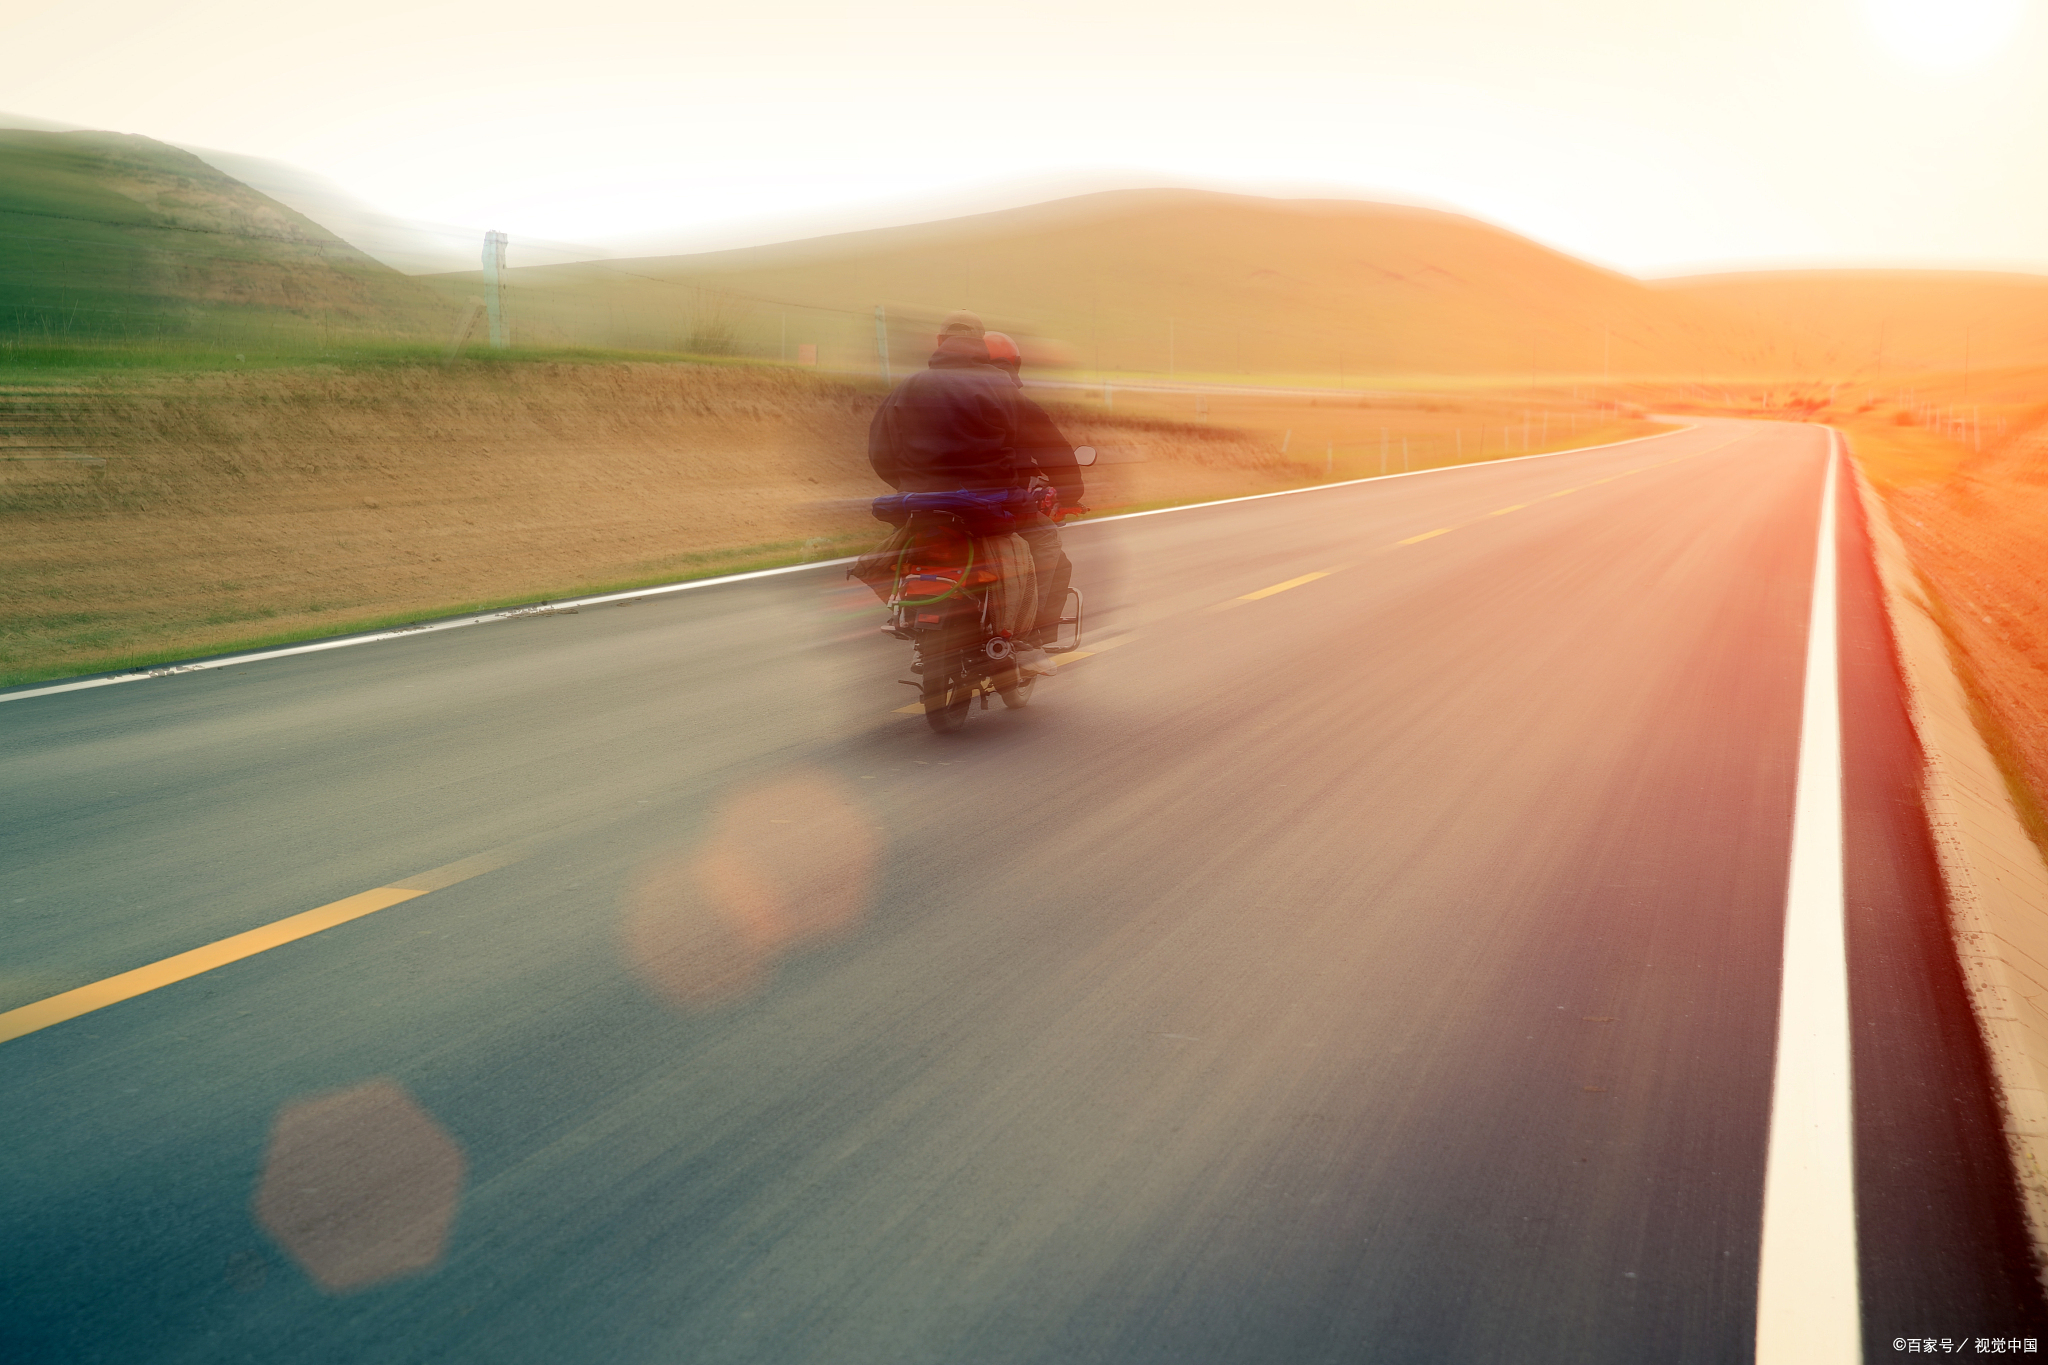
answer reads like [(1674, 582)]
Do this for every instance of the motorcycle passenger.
[(1041, 448), (957, 423)]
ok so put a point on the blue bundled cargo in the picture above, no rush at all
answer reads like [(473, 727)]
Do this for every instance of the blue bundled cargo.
[(985, 511)]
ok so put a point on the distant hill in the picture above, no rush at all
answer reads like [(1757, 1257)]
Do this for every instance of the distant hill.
[(1865, 323), (1187, 282), (108, 237), (113, 237)]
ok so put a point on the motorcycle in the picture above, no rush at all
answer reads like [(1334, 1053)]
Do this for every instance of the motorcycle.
[(960, 590)]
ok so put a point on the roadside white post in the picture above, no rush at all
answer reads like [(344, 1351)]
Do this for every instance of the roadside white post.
[(1808, 1310), (494, 269)]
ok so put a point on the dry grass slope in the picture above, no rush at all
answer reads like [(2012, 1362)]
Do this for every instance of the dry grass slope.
[(1975, 521), (236, 508)]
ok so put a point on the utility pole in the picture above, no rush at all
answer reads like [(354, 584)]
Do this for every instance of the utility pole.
[(882, 340), (1169, 350), (494, 270)]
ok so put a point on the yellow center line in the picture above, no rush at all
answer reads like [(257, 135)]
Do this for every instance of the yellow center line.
[(1497, 512), (56, 1009), (916, 708), (1283, 587)]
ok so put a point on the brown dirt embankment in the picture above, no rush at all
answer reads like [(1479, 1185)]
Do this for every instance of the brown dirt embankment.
[(242, 508), (1970, 500), (224, 510)]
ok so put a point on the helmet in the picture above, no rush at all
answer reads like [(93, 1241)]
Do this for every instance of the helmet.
[(1003, 351)]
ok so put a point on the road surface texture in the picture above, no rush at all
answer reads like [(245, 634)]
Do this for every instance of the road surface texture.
[(1384, 968)]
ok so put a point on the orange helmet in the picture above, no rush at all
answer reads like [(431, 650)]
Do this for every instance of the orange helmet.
[(1003, 351)]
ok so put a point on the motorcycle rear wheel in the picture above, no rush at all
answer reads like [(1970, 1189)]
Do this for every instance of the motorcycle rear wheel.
[(946, 703)]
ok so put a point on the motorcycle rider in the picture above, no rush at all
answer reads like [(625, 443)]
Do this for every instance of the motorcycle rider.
[(952, 424), (960, 423)]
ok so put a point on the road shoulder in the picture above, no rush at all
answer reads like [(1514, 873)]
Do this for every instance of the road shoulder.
[(1996, 882)]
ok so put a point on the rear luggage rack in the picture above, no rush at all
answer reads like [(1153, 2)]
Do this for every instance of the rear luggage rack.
[(1069, 616)]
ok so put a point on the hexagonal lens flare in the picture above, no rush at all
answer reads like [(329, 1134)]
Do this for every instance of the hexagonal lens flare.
[(360, 1185), (784, 865)]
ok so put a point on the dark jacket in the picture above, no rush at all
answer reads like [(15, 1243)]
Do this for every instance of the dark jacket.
[(953, 425), (1040, 445)]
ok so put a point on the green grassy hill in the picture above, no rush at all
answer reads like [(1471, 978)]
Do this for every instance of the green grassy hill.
[(110, 239)]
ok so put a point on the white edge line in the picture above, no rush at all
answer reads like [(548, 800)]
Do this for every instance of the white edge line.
[(424, 628), (541, 608), (1808, 1309)]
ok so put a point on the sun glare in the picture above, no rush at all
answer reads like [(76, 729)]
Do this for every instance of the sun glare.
[(1945, 33)]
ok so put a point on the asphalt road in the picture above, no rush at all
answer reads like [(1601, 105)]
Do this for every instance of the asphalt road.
[(1383, 968)]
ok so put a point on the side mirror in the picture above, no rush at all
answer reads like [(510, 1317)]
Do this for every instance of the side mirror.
[(1084, 455)]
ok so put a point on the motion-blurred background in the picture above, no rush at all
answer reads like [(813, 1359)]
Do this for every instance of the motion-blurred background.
[(273, 391)]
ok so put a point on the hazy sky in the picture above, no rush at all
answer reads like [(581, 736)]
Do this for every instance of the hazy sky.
[(1644, 134)]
